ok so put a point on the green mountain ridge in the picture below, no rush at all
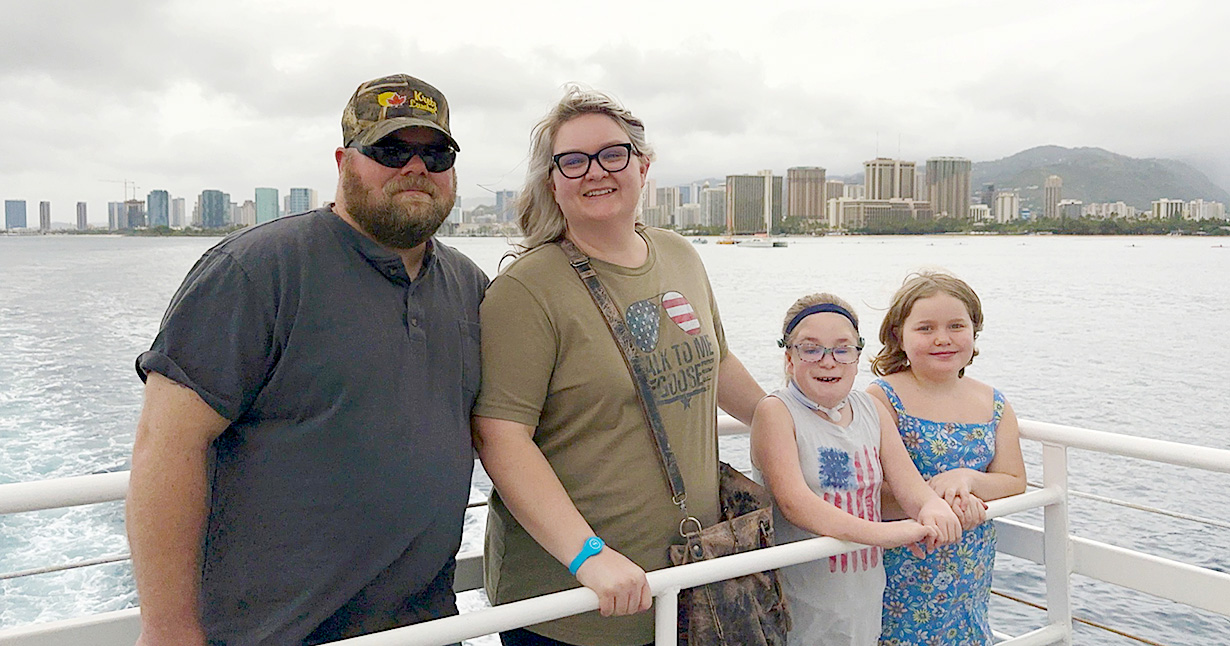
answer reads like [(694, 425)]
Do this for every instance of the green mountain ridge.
[(1095, 175)]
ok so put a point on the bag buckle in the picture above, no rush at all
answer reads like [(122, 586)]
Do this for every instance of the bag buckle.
[(690, 520)]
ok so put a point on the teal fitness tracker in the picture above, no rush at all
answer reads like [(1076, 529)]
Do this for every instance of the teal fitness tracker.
[(592, 546)]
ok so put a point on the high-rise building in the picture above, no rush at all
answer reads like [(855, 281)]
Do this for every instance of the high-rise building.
[(14, 214), (948, 185), (687, 194), (753, 203), (116, 219), (833, 190), (134, 214), (267, 206), (44, 216), (688, 215), (83, 222), (178, 213), (666, 207), (1202, 210), (506, 206), (713, 205), (988, 194), (214, 206), (1007, 206), (1070, 209), (1051, 195), (1165, 208), (158, 208), (979, 213), (301, 199), (805, 197), (888, 179), (245, 214), (1107, 210), (849, 213), (649, 194)]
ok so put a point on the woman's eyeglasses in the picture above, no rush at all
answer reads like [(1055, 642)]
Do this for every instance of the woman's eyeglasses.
[(812, 353), (395, 153), (612, 159)]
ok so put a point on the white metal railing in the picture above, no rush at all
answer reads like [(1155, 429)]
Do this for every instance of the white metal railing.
[(1060, 554)]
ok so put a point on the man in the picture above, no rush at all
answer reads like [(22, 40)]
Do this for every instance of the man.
[(302, 461)]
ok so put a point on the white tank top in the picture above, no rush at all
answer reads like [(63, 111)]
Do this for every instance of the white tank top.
[(836, 600)]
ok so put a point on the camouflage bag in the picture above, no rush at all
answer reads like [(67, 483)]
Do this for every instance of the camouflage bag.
[(745, 611)]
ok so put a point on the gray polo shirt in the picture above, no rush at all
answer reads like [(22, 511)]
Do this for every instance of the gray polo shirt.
[(349, 388)]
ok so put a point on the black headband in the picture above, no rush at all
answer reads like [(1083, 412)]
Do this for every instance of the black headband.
[(816, 309)]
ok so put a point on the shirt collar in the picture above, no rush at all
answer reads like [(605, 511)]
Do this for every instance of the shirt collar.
[(384, 260)]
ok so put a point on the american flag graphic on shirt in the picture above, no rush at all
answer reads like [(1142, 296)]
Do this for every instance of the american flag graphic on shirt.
[(642, 318), (851, 483), (680, 311)]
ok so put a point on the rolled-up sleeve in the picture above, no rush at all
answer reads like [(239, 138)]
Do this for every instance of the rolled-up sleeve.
[(217, 336)]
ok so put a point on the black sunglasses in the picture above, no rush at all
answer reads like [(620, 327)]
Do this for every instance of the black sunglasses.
[(395, 153)]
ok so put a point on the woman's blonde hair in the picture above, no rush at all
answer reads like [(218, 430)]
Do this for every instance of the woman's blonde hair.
[(538, 214), (924, 284)]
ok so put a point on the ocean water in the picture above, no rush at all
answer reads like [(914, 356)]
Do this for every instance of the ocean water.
[(1117, 334)]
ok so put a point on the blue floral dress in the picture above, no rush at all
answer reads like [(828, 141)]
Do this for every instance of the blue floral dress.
[(942, 598)]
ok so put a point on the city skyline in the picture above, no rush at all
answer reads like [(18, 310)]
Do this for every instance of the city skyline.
[(892, 190), (193, 98)]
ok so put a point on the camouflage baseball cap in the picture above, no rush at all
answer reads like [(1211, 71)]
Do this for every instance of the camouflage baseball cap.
[(385, 105)]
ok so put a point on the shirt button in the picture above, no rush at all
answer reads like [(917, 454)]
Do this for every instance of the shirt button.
[(414, 320)]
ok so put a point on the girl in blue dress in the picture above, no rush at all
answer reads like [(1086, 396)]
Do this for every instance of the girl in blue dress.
[(963, 437)]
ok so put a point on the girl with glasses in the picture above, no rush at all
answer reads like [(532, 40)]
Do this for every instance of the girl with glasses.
[(824, 451), (963, 437)]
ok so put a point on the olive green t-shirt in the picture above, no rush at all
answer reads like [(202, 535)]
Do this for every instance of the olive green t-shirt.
[(550, 362)]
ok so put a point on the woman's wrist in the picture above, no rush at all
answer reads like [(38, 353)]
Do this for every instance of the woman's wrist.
[(592, 546)]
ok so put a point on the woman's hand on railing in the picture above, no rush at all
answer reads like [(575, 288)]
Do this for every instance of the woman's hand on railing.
[(620, 584)]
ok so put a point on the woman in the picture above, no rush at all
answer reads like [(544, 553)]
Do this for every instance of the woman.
[(558, 425)]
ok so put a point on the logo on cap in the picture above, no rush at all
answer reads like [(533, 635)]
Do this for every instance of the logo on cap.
[(423, 102), (391, 99)]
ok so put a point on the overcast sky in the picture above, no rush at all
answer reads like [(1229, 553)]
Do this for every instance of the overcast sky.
[(232, 95)]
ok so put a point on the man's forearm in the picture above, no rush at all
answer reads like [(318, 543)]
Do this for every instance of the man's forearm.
[(166, 511), (167, 507)]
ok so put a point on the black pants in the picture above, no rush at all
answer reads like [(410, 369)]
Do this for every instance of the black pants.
[(523, 637)]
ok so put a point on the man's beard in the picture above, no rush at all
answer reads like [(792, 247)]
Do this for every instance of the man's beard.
[(392, 223)]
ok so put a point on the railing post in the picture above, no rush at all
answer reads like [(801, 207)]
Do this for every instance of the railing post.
[(1057, 547), (666, 617)]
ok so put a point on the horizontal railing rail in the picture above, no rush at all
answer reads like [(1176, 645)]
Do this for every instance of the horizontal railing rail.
[(1189, 584)]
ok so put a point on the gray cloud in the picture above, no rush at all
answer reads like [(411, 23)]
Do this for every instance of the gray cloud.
[(186, 95)]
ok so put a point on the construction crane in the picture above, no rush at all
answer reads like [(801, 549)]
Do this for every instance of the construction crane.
[(126, 183)]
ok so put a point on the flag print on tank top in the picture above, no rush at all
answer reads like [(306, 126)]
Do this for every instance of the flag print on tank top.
[(852, 484)]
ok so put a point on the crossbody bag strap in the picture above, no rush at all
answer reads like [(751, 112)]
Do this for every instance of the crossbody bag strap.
[(623, 338)]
